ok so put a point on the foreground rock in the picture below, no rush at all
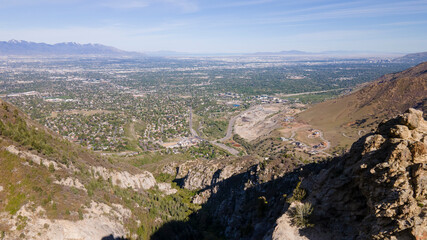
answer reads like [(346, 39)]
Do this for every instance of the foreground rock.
[(379, 189)]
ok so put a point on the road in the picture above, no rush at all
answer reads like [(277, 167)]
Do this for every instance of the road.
[(232, 121), (305, 93), (194, 133), (229, 133), (328, 144), (225, 147), (229, 129)]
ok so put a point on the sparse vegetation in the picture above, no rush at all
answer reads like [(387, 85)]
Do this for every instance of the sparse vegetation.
[(298, 194), (300, 215)]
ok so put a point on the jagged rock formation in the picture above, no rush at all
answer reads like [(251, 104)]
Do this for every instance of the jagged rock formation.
[(379, 189), (199, 174)]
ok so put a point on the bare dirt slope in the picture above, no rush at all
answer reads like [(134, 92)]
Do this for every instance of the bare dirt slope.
[(257, 121)]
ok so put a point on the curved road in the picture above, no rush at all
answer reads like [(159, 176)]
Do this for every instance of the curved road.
[(233, 121), (229, 129), (194, 133)]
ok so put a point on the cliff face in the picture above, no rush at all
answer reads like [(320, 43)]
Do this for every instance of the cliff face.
[(379, 189)]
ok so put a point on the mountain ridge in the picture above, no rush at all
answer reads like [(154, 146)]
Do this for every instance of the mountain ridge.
[(414, 58), (383, 98), (25, 48)]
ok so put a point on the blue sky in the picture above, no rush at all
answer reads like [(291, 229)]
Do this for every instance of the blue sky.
[(209, 26)]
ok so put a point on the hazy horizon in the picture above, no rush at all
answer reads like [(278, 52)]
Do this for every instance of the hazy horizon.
[(200, 26)]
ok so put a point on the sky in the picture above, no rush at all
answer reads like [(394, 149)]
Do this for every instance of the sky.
[(221, 26)]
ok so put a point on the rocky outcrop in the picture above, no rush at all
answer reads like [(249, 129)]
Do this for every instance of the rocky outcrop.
[(205, 175), (166, 188), (200, 174), (141, 181), (138, 182), (379, 189), (98, 221), (34, 158), (70, 182)]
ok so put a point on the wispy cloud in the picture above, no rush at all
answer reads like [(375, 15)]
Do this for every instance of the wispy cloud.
[(15, 3), (113, 34), (182, 5), (125, 4), (336, 34), (185, 5), (161, 28), (331, 12), (403, 23), (236, 25), (243, 3)]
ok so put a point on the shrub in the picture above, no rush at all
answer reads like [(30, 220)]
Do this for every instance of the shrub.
[(51, 168), (80, 214), (298, 194), (15, 203), (300, 215), (164, 177)]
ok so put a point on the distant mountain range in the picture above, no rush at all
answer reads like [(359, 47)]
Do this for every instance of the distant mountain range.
[(292, 54), (337, 53), (24, 48)]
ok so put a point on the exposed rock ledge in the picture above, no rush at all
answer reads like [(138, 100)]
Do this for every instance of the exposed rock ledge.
[(141, 181), (38, 160), (99, 220), (70, 182)]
